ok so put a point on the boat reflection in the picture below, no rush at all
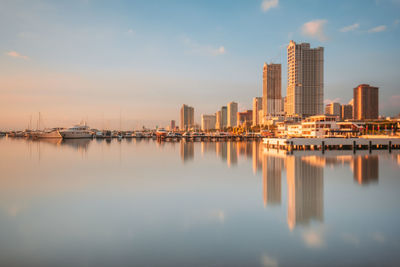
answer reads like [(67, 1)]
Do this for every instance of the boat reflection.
[(78, 144)]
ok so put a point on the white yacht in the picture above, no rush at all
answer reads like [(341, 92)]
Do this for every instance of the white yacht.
[(77, 131)]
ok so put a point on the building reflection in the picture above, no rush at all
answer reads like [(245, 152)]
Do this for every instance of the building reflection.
[(272, 175), (256, 150), (305, 191), (366, 169), (232, 154), (187, 151)]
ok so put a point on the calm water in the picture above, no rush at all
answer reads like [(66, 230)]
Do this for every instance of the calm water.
[(142, 203)]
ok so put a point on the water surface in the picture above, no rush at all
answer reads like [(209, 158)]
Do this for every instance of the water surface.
[(144, 203)]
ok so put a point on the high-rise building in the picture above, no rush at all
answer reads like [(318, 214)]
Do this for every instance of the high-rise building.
[(172, 125), (232, 114), (366, 102), (272, 89), (207, 122), (347, 112), (305, 87), (333, 109), (218, 120), (257, 106), (244, 118), (224, 116), (187, 117)]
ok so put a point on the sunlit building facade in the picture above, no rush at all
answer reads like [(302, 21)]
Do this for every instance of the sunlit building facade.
[(366, 102), (187, 117), (305, 84), (272, 89), (232, 109)]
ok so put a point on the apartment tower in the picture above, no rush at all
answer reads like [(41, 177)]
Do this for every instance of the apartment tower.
[(305, 87), (366, 102), (272, 88), (232, 109), (187, 117), (257, 106)]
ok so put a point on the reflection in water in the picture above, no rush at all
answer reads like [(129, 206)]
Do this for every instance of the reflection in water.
[(187, 151), (78, 144), (232, 156), (305, 191), (214, 213), (272, 170), (366, 169)]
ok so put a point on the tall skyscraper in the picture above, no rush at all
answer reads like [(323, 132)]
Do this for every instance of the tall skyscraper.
[(172, 125), (272, 88), (257, 106), (218, 120), (305, 88), (207, 122), (366, 102), (224, 116), (187, 117), (232, 114)]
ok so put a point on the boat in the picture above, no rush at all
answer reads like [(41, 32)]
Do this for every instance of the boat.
[(99, 134), (77, 131), (161, 133), (49, 133)]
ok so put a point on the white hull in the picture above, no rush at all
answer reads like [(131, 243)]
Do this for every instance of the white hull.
[(54, 134)]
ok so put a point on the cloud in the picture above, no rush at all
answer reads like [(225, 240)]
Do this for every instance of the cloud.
[(335, 100), (315, 29), (199, 49), (267, 261), (350, 27), (380, 28), (16, 55), (268, 4)]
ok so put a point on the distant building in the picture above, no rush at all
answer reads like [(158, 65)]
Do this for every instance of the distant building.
[(347, 112), (257, 106), (272, 88), (187, 117), (207, 122), (244, 118), (333, 109), (231, 114), (305, 88), (366, 102), (224, 117), (218, 120), (172, 125)]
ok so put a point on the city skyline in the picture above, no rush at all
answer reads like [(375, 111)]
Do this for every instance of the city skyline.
[(82, 60)]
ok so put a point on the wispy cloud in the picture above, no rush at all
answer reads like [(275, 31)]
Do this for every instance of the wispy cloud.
[(350, 28), (268, 4), (335, 100), (315, 29), (196, 48), (16, 55), (376, 29)]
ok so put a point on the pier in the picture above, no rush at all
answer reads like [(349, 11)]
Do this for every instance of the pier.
[(361, 143)]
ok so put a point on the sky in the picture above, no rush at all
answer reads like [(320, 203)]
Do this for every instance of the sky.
[(134, 63)]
